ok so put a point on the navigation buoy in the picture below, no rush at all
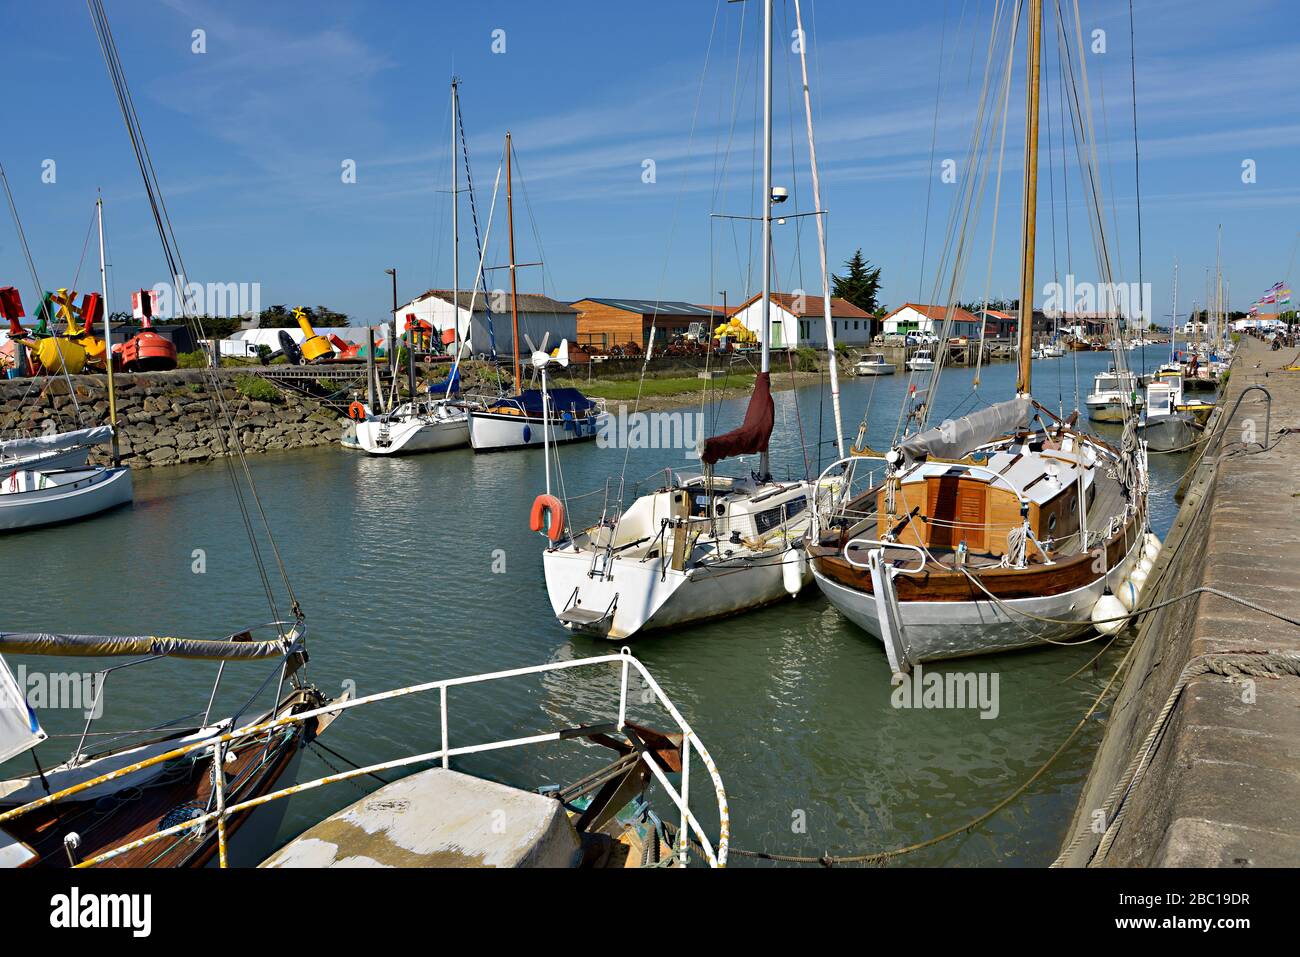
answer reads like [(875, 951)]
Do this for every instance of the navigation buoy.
[(794, 568), (1109, 607)]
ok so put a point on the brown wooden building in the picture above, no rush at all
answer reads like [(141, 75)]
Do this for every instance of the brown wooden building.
[(605, 323)]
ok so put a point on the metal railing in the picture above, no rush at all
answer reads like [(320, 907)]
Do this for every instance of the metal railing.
[(688, 824)]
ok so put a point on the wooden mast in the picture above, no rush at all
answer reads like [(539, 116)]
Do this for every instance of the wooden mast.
[(1028, 233), (514, 299)]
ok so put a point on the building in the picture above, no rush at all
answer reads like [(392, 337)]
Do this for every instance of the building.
[(998, 324), (605, 323), (799, 321), (915, 317), (490, 323)]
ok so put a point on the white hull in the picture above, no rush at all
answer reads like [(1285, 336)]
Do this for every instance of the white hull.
[(1106, 409), (74, 494), (408, 436), (495, 432), (920, 365), (643, 596), (935, 630)]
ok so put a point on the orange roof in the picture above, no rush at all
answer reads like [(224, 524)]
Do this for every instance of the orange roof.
[(812, 306), (935, 313)]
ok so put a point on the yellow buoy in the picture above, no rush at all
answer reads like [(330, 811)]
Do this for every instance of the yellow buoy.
[(315, 346), (59, 355)]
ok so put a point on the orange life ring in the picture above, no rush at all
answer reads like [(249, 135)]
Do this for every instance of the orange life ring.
[(547, 506), (357, 411)]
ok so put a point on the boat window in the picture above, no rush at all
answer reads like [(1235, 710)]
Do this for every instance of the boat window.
[(770, 518)]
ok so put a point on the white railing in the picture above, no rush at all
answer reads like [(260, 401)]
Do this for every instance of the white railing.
[(688, 824)]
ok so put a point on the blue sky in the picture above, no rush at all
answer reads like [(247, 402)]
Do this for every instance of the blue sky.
[(248, 141)]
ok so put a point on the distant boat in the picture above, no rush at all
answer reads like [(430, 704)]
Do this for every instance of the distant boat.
[(922, 361), (1112, 393), (873, 363), (1163, 427)]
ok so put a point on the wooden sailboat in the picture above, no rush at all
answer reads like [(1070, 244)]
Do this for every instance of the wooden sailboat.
[(526, 418), (1004, 529), (145, 797)]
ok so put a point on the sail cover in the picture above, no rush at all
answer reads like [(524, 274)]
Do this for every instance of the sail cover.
[(953, 438), (19, 730), (754, 432), (95, 646), (56, 442)]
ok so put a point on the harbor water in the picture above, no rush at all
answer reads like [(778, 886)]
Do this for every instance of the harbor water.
[(420, 568)]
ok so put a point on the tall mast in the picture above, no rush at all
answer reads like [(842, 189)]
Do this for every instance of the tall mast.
[(821, 238), (108, 330), (514, 299), (455, 217), (1029, 225), (765, 366), (1173, 321)]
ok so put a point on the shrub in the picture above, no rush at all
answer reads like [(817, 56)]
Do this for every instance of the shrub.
[(192, 360), (256, 388)]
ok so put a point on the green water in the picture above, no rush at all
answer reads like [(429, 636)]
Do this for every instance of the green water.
[(397, 564)]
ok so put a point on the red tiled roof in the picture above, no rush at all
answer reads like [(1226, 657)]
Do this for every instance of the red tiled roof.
[(812, 306), (935, 313)]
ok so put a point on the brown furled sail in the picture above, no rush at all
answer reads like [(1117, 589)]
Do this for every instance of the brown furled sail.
[(753, 433)]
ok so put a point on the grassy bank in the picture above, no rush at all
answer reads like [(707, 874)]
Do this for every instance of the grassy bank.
[(626, 389)]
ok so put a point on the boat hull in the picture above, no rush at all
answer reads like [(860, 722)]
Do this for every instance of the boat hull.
[(1169, 433), (99, 490), (939, 630), (644, 596), (409, 436), (498, 432), (873, 370)]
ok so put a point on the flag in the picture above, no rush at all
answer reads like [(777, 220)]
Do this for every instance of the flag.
[(1276, 286), (1271, 297)]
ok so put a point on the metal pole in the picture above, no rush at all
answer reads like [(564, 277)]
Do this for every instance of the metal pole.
[(514, 299), (765, 365), (108, 330), (392, 338), (372, 392), (455, 215), (821, 241)]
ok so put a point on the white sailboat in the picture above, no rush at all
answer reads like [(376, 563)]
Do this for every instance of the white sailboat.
[(703, 545), (1113, 395), (1004, 529), (45, 488), (530, 417)]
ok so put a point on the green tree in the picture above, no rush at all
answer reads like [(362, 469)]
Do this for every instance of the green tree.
[(861, 285)]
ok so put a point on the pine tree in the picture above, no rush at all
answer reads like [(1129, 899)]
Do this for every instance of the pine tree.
[(862, 284)]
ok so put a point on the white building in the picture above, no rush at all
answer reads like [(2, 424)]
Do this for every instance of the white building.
[(244, 343), (538, 315), (799, 321), (927, 319)]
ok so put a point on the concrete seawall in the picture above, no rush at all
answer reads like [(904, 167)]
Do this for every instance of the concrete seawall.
[(1219, 783), (164, 418)]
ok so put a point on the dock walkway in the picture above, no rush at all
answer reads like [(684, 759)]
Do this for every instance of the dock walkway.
[(1222, 782)]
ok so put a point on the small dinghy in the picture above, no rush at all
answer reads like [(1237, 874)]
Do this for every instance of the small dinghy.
[(33, 497)]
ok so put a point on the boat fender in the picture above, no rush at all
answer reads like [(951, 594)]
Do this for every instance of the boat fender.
[(357, 411), (1108, 606), (1151, 546), (1127, 593), (1138, 578), (794, 569), (547, 507)]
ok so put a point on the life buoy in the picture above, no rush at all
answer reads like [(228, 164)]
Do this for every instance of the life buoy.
[(357, 411), (544, 507)]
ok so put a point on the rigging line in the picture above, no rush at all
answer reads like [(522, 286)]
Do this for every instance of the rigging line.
[(1137, 165), (1056, 267), (216, 393), (90, 228), (478, 247), (22, 236), (934, 135)]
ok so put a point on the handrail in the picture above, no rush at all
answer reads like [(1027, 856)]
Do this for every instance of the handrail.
[(217, 744), (882, 546)]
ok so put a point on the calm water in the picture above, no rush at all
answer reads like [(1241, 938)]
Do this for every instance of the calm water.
[(393, 563)]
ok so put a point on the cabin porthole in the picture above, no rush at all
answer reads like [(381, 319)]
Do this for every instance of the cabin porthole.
[(1051, 523)]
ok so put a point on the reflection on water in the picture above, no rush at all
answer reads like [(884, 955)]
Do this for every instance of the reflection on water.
[(393, 561)]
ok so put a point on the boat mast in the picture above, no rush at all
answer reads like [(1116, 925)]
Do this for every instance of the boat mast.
[(455, 217), (1173, 320), (108, 330), (821, 238), (766, 363), (514, 299), (1029, 226)]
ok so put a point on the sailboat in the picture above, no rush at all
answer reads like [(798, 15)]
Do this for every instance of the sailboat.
[(142, 797), (530, 416), (44, 488), (435, 421), (703, 545), (1004, 529)]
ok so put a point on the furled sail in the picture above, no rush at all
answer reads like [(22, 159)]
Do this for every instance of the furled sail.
[(954, 438), (56, 442), (96, 646), (754, 432)]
